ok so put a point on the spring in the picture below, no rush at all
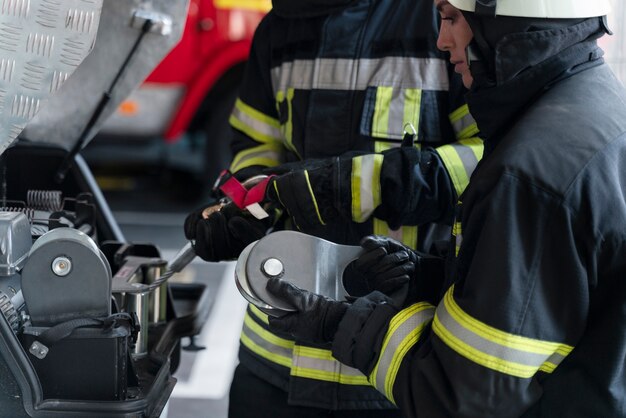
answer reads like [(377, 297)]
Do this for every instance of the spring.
[(29, 212), (48, 200)]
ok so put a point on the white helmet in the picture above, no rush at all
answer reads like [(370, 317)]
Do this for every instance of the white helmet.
[(555, 9)]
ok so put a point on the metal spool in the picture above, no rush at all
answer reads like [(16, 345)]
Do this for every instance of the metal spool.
[(66, 277), (309, 262)]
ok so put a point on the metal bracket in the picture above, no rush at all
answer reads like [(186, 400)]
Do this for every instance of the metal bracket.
[(38, 350), (160, 23)]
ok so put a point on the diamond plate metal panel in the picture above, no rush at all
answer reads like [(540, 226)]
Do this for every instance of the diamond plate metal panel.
[(62, 121), (42, 42)]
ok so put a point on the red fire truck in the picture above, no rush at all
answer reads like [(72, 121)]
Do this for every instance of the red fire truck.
[(179, 117)]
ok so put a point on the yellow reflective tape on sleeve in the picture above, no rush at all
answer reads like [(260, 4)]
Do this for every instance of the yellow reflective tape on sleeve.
[(404, 332), (255, 124), (460, 160), (267, 155), (319, 364), (317, 209), (412, 104), (380, 146), (265, 344), (463, 123), (476, 145), (492, 348), (380, 122), (366, 194), (255, 5)]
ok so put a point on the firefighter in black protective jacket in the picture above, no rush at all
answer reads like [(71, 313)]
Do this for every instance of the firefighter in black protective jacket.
[(326, 78), (531, 316)]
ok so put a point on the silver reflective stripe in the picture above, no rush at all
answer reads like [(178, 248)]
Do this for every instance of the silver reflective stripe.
[(264, 157), (325, 365), (263, 343), (259, 126), (347, 74), (492, 348), (465, 127), (396, 114), (404, 331), (365, 176), (467, 156), (461, 159)]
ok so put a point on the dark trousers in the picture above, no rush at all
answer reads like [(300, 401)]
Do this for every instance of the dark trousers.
[(252, 397)]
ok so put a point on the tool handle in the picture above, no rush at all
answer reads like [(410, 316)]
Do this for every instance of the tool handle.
[(181, 259)]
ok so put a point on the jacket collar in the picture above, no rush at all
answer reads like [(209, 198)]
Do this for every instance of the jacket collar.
[(525, 65)]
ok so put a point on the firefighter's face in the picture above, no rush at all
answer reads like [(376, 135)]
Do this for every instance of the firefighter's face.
[(455, 35)]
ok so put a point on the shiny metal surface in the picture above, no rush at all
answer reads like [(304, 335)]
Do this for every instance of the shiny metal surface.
[(241, 281), (42, 42), (63, 120), (308, 262)]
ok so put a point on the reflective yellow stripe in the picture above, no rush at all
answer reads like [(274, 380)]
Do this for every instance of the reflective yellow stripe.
[(263, 352), (464, 124), (492, 348), (460, 159), (256, 5), (457, 233), (457, 172), (405, 234), (265, 344), (265, 334), (262, 316), (319, 364), (255, 124), (317, 209), (404, 331), (267, 155), (380, 146), (287, 127), (409, 236), (412, 104), (380, 122), (366, 194)]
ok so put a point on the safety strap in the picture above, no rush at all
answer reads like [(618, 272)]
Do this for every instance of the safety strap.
[(242, 197), (41, 346)]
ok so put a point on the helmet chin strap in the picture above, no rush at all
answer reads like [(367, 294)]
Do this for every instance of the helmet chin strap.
[(486, 8)]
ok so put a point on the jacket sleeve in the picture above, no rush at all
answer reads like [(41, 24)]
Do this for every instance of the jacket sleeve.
[(410, 186), (257, 135), (518, 306)]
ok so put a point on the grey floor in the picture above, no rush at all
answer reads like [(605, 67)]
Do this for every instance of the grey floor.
[(149, 214)]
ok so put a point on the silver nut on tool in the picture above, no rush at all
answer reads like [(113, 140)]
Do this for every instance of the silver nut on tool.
[(61, 266), (273, 267)]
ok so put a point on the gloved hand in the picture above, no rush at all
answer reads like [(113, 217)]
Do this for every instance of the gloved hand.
[(317, 317), (386, 266), (224, 233), (306, 191)]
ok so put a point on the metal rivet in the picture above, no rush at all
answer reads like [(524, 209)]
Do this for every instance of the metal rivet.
[(61, 266), (272, 267)]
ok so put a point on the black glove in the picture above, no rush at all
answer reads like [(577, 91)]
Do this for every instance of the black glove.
[(386, 266), (306, 193), (225, 233), (317, 318)]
